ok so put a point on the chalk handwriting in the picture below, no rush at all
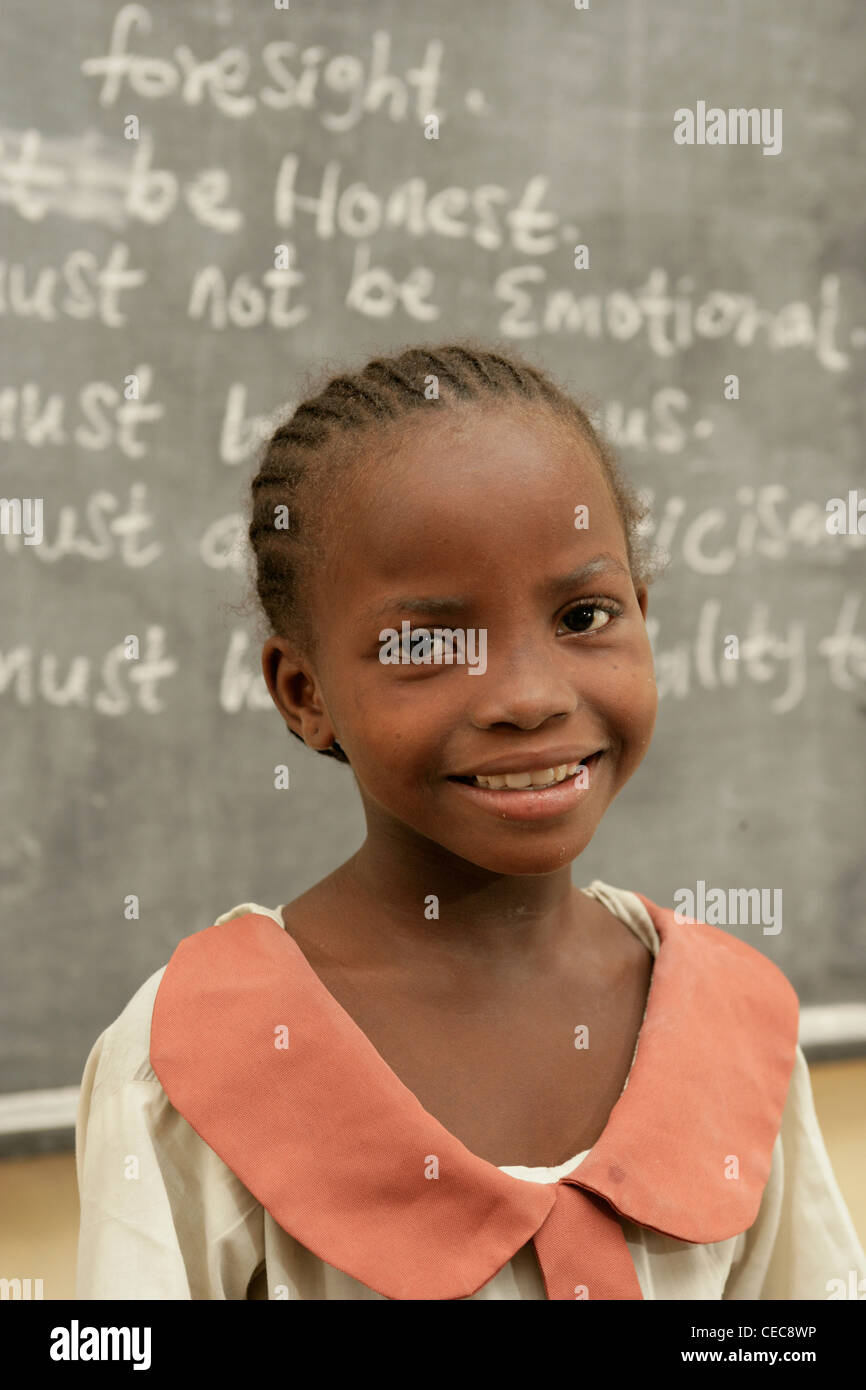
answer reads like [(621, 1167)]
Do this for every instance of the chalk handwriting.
[(669, 322), (341, 88), (89, 290), (99, 529), (108, 419), (774, 658), (111, 686), (763, 521)]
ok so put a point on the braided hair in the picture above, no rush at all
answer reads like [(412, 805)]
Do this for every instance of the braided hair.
[(300, 465)]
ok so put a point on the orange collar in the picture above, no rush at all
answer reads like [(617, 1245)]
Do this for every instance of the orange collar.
[(344, 1157)]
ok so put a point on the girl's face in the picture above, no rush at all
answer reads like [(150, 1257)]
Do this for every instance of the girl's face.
[(469, 523)]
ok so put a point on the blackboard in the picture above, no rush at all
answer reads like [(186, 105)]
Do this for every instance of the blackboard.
[(154, 156)]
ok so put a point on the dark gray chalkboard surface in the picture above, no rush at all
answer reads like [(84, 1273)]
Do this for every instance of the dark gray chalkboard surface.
[(153, 258)]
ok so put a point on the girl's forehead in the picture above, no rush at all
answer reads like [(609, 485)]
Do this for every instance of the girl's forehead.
[(450, 455), (510, 503)]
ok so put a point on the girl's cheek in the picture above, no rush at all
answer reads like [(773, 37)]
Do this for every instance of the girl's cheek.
[(631, 696), (646, 696)]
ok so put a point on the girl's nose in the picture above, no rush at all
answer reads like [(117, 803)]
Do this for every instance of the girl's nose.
[(526, 687)]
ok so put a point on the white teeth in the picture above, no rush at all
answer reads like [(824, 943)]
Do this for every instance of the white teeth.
[(540, 777)]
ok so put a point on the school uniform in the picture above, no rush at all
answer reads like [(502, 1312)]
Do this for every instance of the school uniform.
[(239, 1136)]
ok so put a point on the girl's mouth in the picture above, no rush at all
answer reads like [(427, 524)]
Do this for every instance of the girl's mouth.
[(545, 792)]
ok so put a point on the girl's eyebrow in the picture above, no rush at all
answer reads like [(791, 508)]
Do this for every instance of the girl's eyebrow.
[(599, 564), (420, 605), (603, 563)]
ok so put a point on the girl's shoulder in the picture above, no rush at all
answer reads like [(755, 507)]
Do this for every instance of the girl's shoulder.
[(629, 908), (657, 925), (121, 1053), (243, 909)]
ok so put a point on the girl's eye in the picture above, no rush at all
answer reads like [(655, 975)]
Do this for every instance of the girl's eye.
[(584, 617), (431, 646)]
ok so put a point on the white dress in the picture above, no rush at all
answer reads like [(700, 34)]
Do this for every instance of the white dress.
[(163, 1217)]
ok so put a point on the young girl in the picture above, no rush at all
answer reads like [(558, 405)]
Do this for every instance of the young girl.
[(445, 1072)]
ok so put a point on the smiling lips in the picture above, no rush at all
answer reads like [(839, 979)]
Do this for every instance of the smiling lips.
[(499, 777), (533, 793), (518, 781)]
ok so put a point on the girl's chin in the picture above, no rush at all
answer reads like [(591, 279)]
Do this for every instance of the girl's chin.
[(523, 857)]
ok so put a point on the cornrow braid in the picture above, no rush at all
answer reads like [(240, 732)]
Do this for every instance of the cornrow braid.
[(302, 460)]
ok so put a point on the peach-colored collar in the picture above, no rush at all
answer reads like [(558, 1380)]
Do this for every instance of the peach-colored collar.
[(344, 1157)]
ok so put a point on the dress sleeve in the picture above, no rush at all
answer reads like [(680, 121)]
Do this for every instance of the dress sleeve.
[(803, 1244), (162, 1217)]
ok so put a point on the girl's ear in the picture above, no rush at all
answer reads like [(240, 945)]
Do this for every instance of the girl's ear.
[(295, 692)]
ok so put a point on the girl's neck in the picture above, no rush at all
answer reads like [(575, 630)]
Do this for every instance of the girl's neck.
[(415, 898)]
